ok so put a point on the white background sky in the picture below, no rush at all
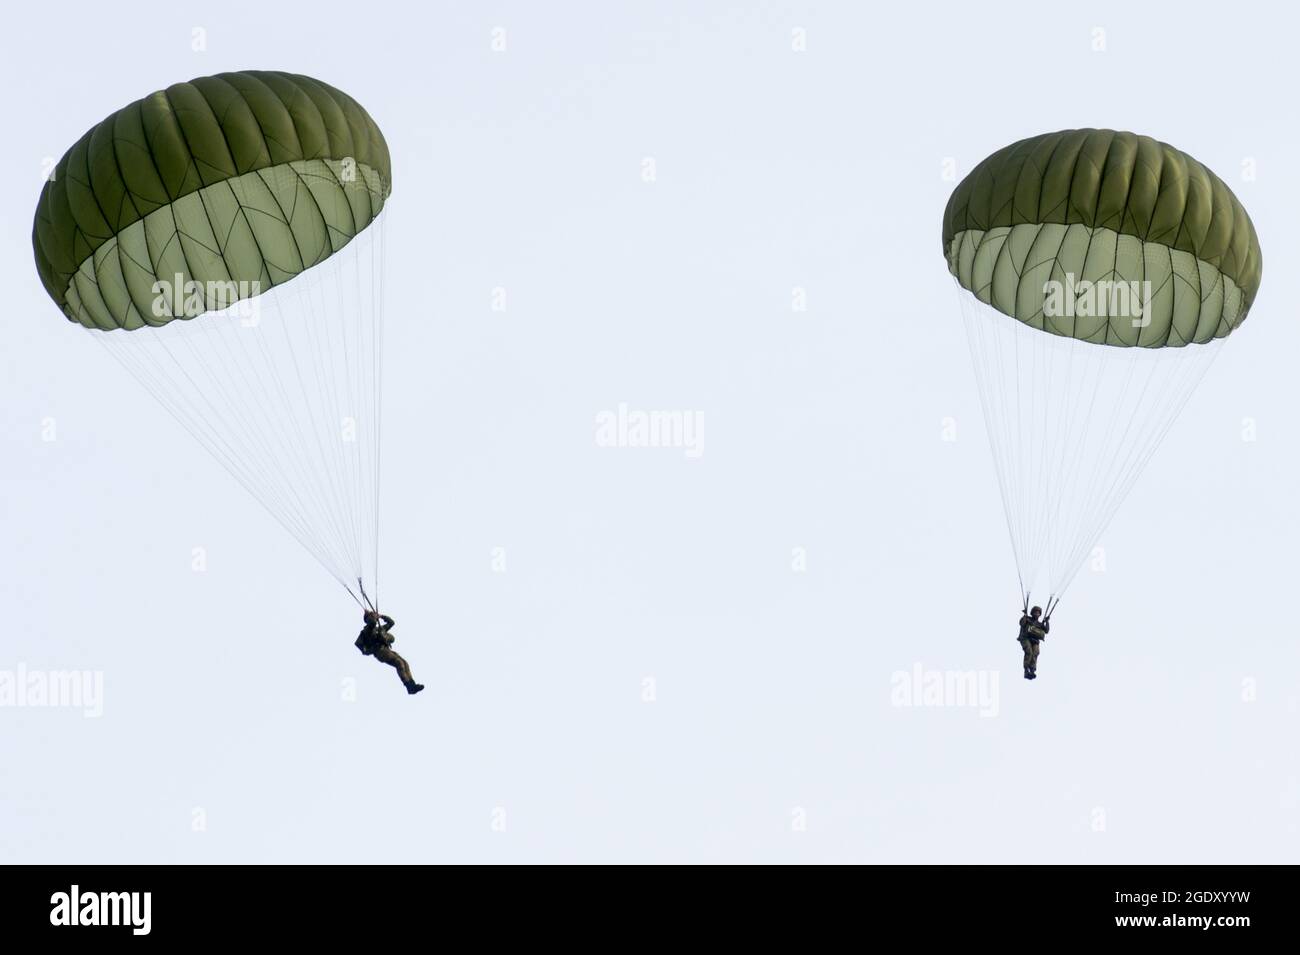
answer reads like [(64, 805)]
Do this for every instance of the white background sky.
[(776, 169)]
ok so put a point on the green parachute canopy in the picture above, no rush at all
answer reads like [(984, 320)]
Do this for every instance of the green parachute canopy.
[(1087, 206), (1097, 238), (234, 183), (255, 200)]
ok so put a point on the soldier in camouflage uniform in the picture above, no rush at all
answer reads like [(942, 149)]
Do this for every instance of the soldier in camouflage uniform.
[(1032, 632), (375, 641)]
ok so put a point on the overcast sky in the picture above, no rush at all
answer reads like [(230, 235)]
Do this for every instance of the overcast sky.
[(643, 654)]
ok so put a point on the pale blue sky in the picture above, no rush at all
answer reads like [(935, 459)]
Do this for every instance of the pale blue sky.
[(775, 169)]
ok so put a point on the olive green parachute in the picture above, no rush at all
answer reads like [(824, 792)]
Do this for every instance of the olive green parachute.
[(1061, 245), (235, 182), (1102, 206), (250, 206)]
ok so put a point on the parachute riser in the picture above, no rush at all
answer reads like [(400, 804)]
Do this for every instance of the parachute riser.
[(1053, 601), (369, 603)]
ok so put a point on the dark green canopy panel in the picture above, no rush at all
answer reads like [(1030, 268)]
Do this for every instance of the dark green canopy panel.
[(238, 181), (1098, 206)]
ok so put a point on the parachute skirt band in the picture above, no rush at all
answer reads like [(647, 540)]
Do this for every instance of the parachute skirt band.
[(1023, 270), (255, 231)]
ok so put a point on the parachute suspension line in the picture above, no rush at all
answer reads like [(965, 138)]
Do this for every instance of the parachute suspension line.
[(257, 403), (1071, 426), (309, 469), (355, 598), (1072, 449), (206, 354), (352, 370), (326, 422), (1063, 432), (364, 596), (283, 390), (1166, 402), (1187, 377), (202, 409), (378, 261), (241, 367), (994, 427), (149, 369), (312, 472), (346, 424), (1106, 454)]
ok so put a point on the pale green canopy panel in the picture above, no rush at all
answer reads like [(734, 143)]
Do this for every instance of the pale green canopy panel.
[(228, 184), (1064, 231)]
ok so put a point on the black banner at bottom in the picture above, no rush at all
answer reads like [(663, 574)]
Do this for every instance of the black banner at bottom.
[(131, 905)]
